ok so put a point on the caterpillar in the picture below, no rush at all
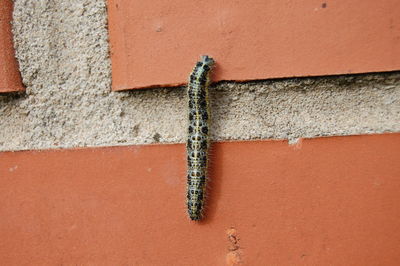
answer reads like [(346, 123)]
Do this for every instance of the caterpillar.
[(198, 142)]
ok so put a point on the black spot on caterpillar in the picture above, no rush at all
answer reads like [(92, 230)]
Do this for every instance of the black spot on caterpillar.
[(198, 142)]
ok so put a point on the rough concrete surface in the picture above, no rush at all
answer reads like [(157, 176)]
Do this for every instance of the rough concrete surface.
[(62, 48)]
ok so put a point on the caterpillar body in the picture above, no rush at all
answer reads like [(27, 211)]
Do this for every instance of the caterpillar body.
[(198, 142)]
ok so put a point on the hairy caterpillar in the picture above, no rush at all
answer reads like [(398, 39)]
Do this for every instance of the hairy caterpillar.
[(198, 141)]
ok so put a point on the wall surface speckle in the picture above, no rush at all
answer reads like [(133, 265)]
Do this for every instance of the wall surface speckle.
[(62, 49)]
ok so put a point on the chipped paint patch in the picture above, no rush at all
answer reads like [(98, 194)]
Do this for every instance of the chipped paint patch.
[(234, 256)]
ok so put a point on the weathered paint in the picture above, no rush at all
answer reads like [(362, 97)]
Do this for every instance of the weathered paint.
[(327, 201)]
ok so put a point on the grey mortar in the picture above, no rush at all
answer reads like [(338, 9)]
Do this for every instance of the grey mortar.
[(62, 49)]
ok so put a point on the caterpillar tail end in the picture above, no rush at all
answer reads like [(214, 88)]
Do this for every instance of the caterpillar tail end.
[(195, 209), (195, 216)]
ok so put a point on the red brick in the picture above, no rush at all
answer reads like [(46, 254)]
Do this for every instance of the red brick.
[(10, 79), (156, 43), (327, 201)]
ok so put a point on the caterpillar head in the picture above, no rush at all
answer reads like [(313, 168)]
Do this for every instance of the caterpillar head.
[(206, 60)]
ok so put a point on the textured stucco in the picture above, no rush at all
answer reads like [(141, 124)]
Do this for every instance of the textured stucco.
[(62, 48)]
